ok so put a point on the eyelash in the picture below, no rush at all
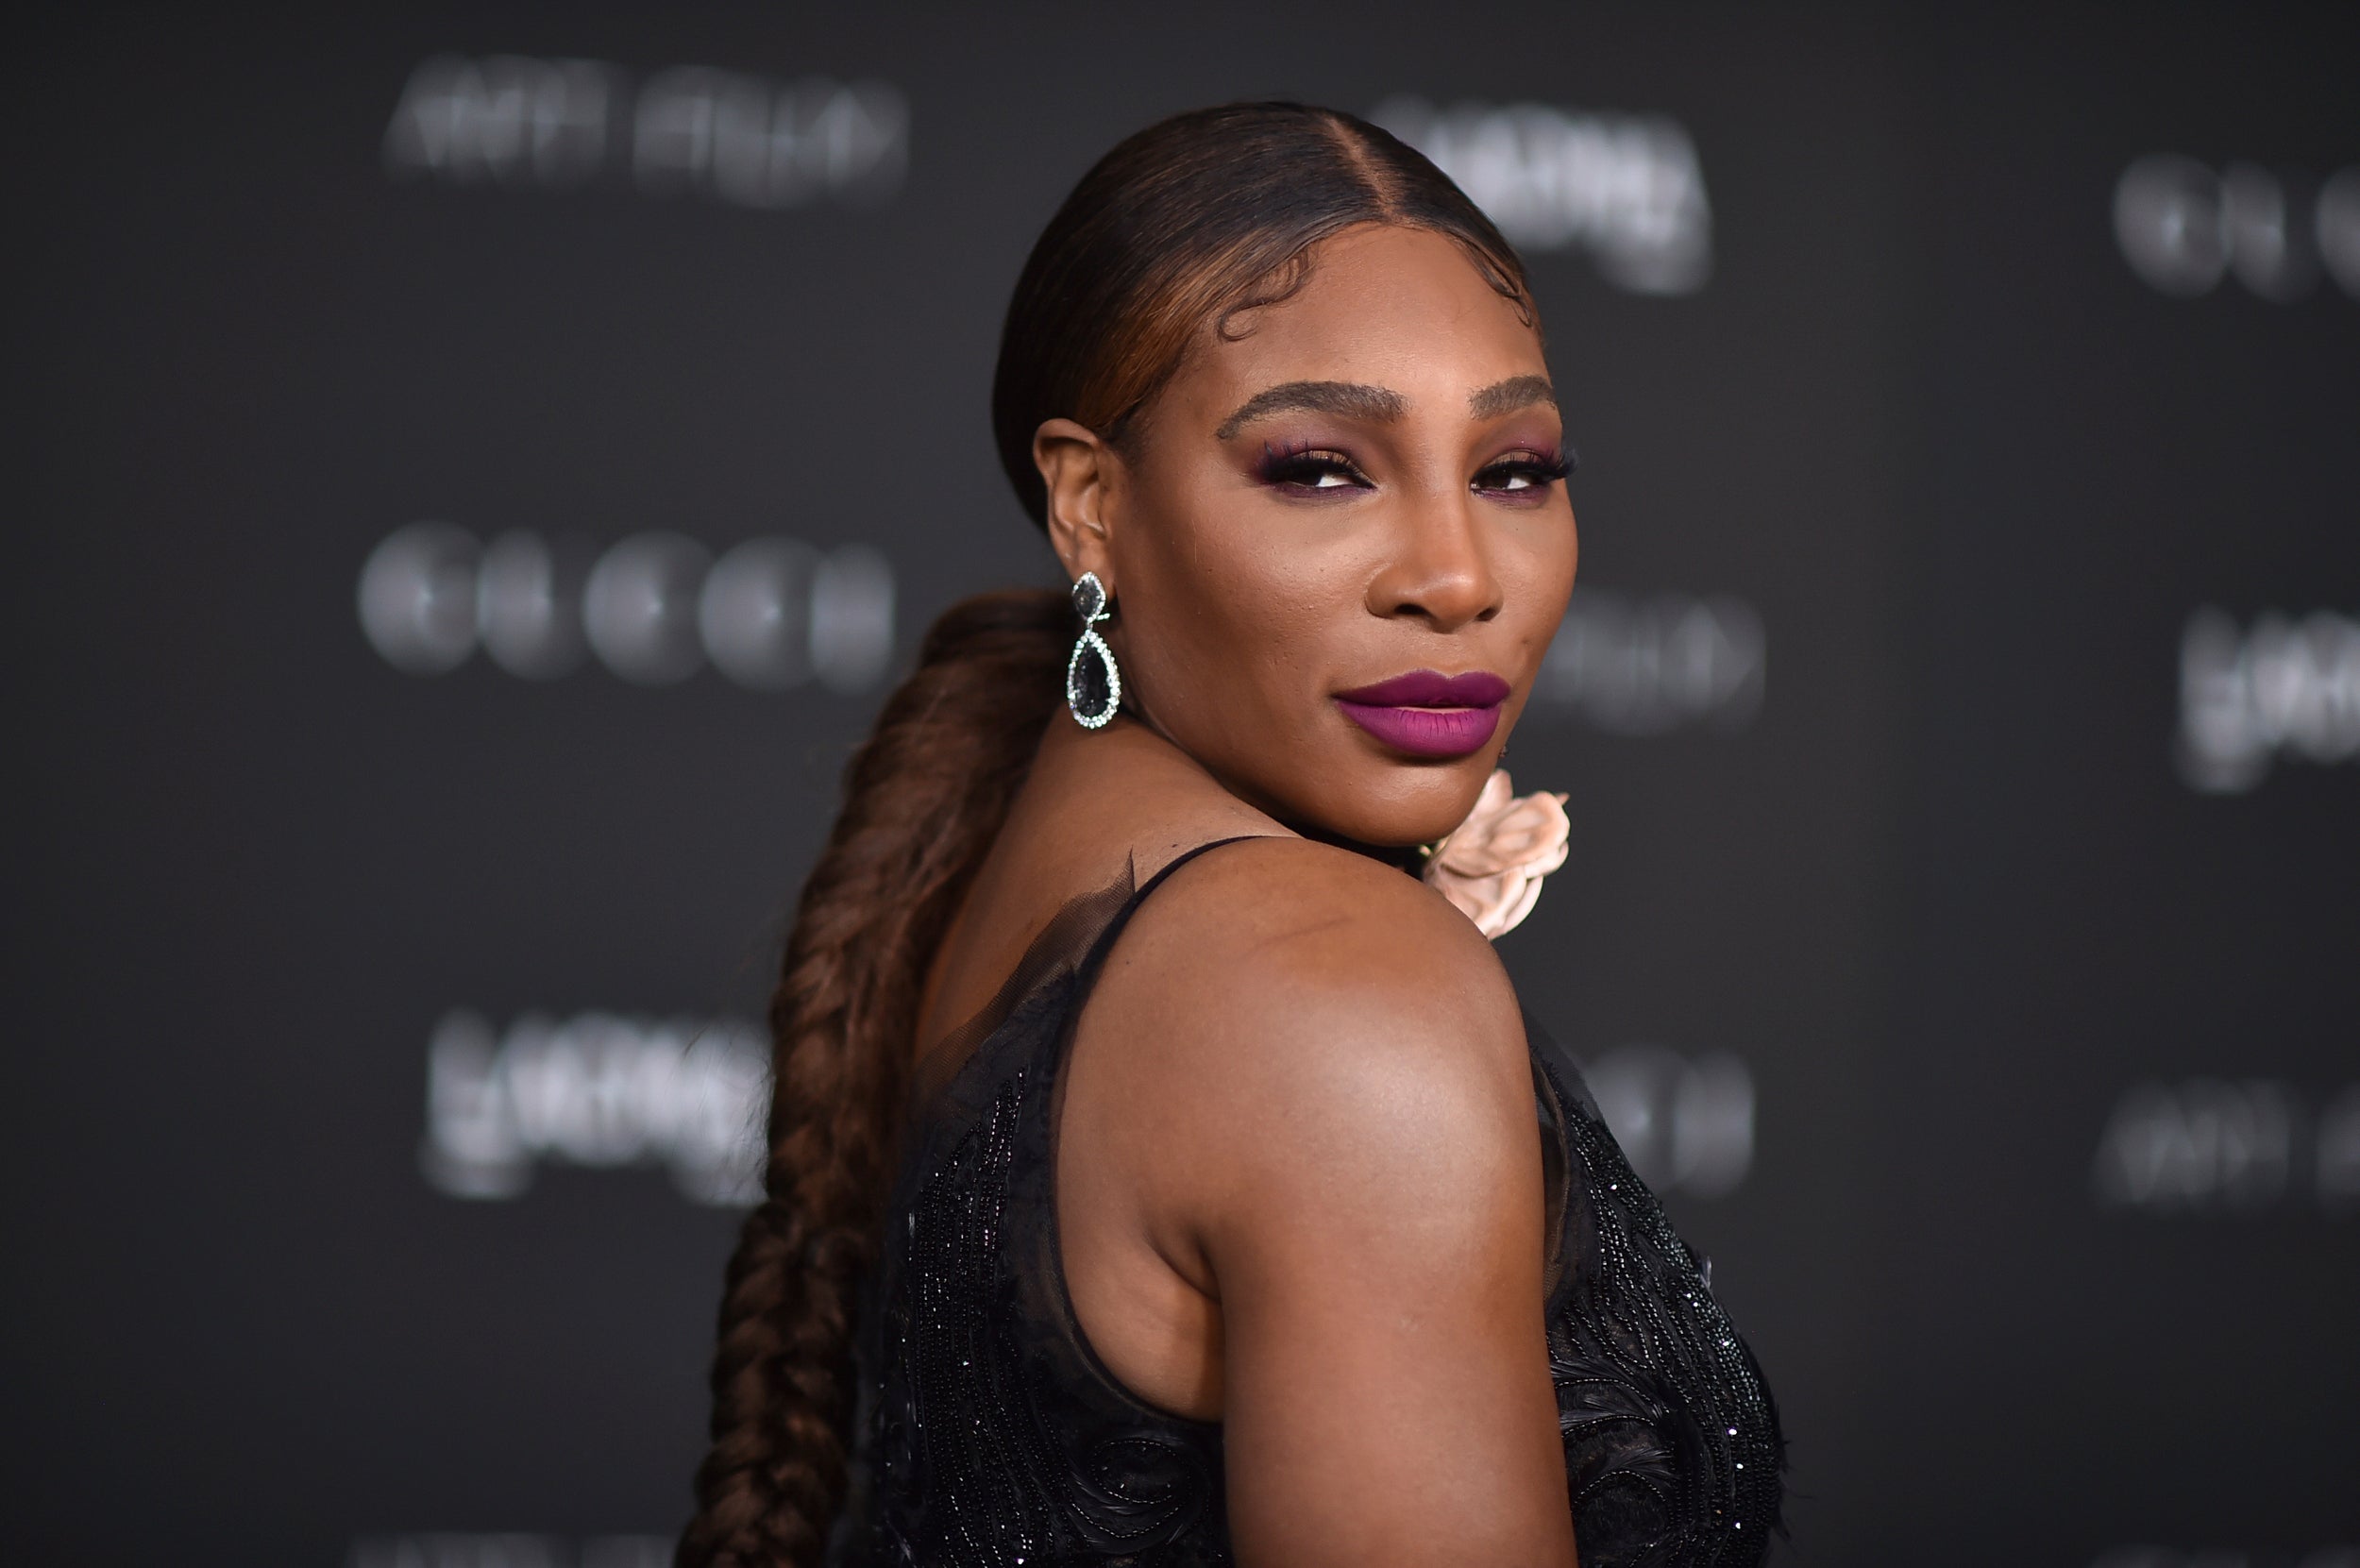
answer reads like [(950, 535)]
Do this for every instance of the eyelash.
[(1303, 466), (1538, 471)]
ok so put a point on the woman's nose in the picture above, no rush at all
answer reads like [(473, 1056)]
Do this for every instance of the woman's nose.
[(1440, 572)]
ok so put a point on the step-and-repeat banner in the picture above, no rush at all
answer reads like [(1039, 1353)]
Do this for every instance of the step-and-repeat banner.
[(472, 480)]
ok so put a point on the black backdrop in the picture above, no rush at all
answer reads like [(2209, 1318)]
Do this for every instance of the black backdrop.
[(472, 477)]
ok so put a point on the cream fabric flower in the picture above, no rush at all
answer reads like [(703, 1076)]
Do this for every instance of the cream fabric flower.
[(1491, 864)]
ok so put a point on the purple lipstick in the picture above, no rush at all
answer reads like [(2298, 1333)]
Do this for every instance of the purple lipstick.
[(1428, 715)]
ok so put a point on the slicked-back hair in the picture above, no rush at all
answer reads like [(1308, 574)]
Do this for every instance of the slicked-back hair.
[(1179, 229)]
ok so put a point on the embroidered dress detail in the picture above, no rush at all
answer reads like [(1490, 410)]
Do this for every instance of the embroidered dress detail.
[(992, 1436)]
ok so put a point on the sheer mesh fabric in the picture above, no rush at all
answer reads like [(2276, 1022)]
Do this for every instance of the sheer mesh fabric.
[(990, 1435)]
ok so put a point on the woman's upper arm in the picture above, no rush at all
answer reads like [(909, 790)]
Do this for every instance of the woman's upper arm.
[(1364, 1187)]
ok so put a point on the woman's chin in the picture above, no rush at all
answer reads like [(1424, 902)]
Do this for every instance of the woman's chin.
[(1385, 815)]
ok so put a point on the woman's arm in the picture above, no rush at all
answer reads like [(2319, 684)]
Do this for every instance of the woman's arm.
[(1347, 1153)]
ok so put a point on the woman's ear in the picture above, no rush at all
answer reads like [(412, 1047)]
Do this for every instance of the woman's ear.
[(1081, 472)]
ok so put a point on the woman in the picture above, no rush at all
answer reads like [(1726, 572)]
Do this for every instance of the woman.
[(1168, 1151)]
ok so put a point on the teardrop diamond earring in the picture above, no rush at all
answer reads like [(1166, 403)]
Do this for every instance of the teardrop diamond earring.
[(1094, 686)]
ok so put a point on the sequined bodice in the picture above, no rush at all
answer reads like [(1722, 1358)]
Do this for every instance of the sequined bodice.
[(990, 1435)]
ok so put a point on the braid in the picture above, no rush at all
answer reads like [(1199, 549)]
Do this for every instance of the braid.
[(924, 797)]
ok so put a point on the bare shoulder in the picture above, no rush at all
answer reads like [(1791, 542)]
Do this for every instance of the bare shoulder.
[(1282, 928), (1285, 994)]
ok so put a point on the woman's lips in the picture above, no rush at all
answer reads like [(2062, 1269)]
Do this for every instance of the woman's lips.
[(1428, 715)]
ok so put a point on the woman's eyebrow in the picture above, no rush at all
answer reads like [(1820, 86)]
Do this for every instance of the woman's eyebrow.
[(1517, 391), (1350, 399)]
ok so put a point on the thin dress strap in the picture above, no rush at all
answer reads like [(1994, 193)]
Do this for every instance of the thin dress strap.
[(1071, 947), (1051, 1289), (1096, 957)]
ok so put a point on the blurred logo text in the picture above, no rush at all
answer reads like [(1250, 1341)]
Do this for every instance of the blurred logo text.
[(770, 613), (2220, 1146), (1687, 1123), (2184, 227), (2287, 688), (600, 1091), (1640, 665), (516, 121), (2226, 1557), (1625, 188), (447, 1549)]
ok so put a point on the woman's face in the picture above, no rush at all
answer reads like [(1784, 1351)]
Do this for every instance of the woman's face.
[(1341, 542)]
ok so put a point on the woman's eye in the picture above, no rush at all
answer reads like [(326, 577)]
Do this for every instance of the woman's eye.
[(1522, 474), (1314, 471)]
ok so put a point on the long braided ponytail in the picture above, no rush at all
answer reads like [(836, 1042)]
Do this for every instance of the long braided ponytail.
[(923, 799), (1181, 226)]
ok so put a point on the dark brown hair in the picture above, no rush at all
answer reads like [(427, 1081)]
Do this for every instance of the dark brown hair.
[(1185, 224), (1194, 221)]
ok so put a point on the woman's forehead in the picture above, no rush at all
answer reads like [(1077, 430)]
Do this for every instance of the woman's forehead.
[(1403, 310)]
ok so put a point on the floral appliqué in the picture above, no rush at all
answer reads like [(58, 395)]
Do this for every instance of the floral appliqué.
[(1491, 864)]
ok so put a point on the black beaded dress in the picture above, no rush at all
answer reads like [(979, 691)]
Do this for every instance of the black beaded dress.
[(989, 1435)]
